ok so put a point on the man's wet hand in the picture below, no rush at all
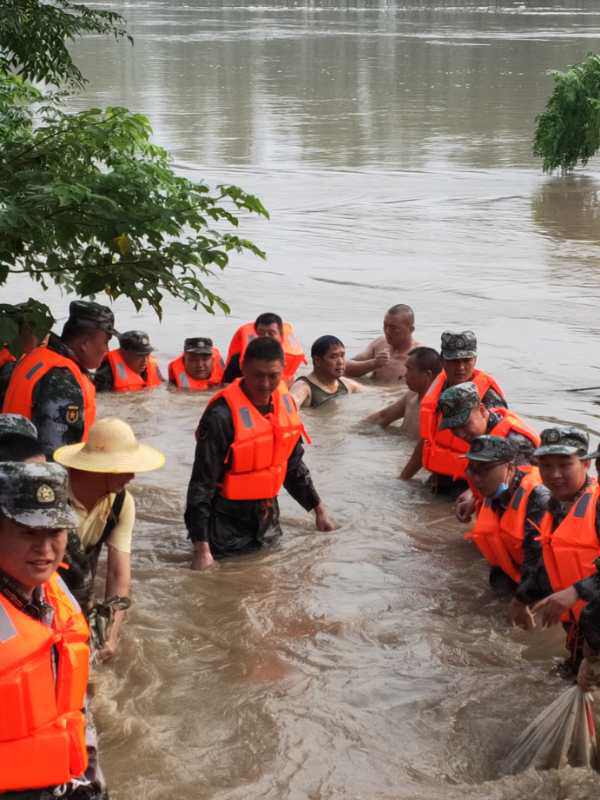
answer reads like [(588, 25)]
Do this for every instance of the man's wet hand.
[(520, 615), (202, 558), (551, 608), (382, 359), (323, 521), (465, 506)]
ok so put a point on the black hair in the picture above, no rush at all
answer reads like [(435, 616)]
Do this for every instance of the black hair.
[(15, 447), (323, 345), (264, 348), (74, 330), (428, 359), (402, 308), (269, 318)]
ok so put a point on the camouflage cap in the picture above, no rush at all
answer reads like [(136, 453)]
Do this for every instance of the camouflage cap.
[(17, 425), (200, 344), (136, 342), (35, 495), (92, 315), (456, 404), (458, 345), (563, 441), (493, 449)]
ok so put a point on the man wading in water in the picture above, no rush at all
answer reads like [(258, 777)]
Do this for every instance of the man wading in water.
[(248, 447), (385, 358), (326, 381)]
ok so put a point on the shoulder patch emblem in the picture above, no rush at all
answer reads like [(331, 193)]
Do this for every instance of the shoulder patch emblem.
[(72, 414)]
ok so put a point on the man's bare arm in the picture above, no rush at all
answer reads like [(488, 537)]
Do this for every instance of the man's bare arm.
[(118, 581), (301, 393), (389, 414), (414, 463)]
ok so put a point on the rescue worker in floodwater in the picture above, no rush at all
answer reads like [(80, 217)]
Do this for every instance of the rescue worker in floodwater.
[(27, 340), (52, 386), (199, 367), (555, 582), (43, 634), (248, 447), (130, 367), (514, 501), (384, 359)]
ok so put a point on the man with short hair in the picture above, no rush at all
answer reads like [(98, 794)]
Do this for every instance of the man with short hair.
[(99, 471), (44, 653), (557, 582), (27, 340), (514, 501), (385, 357), (248, 447), (199, 367), (442, 451), (271, 325), (130, 367), (326, 381), (52, 386), (19, 439)]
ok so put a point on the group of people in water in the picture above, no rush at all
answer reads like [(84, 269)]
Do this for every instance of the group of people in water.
[(63, 497)]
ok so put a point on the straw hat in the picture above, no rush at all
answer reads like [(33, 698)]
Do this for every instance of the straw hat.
[(111, 447)]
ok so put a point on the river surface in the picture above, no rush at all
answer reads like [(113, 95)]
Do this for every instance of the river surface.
[(392, 145)]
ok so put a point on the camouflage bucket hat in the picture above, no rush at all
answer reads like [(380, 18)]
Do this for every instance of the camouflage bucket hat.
[(458, 345), (493, 449), (92, 315), (35, 495), (17, 425), (136, 342), (563, 441), (199, 344), (456, 404)]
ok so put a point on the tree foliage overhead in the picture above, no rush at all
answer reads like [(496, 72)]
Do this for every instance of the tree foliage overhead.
[(87, 201), (568, 130)]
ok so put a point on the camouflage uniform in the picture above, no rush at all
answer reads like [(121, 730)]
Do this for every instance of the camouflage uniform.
[(456, 404), (499, 450), (235, 526), (17, 425), (134, 342), (6, 371), (36, 496), (464, 345)]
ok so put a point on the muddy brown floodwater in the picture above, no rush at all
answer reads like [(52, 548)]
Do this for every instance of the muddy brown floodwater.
[(392, 145)]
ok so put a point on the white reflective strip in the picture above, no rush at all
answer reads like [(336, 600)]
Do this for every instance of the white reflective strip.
[(121, 370), (67, 591), (185, 384), (7, 628)]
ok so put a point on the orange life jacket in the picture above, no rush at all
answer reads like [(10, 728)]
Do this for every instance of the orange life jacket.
[(182, 380), (6, 356), (570, 550), (499, 538), (512, 422), (42, 728), (442, 449), (30, 369), (292, 350), (261, 446), (125, 379)]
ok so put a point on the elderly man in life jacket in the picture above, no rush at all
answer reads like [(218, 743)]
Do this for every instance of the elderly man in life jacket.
[(99, 471), (44, 652), (440, 450), (130, 367), (248, 447), (514, 501), (270, 325), (52, 385), (555, 583), (199, 367)]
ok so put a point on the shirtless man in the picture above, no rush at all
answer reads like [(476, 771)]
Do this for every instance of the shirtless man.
[(423, 365), (385, 358), (326, 381)]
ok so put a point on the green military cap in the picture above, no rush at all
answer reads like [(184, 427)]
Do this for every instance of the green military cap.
[(493, 449), (35, 495), (17, 425), (563, 441), (92, 315), (458, 345), (456, 403), (199, 344), (136, 342)]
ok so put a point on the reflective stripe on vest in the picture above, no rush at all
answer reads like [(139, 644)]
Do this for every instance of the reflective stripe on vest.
[(31, 369), (182, 380), (7, 628), (261, 447), (125, 379)]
